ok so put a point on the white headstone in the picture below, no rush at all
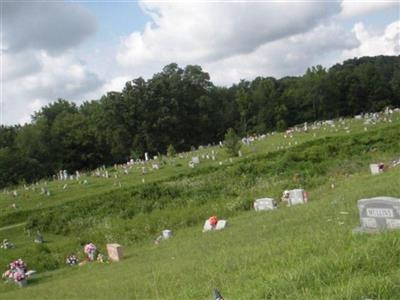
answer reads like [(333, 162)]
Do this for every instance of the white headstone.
[(221, 224), (195, 160), (297, 196), (375, 169), (207, 226), (146, 156), (166, 234), (265, 204)]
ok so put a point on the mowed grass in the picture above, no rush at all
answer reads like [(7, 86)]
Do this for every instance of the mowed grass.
[(301, 252)]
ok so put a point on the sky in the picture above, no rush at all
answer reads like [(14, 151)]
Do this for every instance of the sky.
[(79, 50)]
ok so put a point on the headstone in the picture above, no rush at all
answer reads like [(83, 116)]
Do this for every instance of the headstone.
[(195, 160), (376, 168), (146, 156), (207, 226), (166, 234), (39, 238), (114, 252), (379, 213), (221, 224), (297, 196), (265, 204)]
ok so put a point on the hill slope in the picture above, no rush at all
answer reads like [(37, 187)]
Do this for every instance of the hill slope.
[(305, 252)]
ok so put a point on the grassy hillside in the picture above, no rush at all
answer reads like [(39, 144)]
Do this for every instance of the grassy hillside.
[(305, 252)]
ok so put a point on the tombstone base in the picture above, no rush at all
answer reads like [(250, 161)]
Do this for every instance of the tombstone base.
[(360, 230), (22, 283)]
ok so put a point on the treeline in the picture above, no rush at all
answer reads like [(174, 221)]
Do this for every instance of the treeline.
[(183, 108)]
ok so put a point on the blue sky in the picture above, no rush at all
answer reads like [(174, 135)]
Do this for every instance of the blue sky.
[(80, 50), (116, 19)]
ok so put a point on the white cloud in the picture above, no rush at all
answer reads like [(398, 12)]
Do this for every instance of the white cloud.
[(45, 25), (64, 76), (289, 56), (37, 55), (19, 64), (116, 84), (352, 8), (204, 32), (381, 43)]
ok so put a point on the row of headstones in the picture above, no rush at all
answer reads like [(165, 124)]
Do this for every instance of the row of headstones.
[(63, 175), (376, 214), (292, 197)]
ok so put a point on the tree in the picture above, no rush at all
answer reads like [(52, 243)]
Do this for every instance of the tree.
[(232, 143), (171, 151)]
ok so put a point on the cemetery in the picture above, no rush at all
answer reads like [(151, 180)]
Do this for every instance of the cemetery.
[(75, 228)]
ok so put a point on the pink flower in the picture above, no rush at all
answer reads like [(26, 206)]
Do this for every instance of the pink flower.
[(89, 248)]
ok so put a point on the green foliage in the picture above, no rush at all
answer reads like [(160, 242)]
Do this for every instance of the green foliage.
[(171, 152), (181, 107), (232, 142)]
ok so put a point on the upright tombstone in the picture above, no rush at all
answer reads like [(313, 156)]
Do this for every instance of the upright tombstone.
[(146, 156), (207, 226), (195, 160), (166, 234), (114, 252), (376, 168), (65, 175), (379, 213), (297, 196), (265, 204), (39, 238), (221, 224)]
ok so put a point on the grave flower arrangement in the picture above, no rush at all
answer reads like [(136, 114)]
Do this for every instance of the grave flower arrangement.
[(102, 258), (16, 272), (90, 250), (6, 244), (71, 260)]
